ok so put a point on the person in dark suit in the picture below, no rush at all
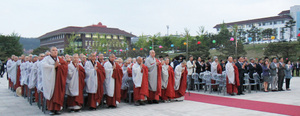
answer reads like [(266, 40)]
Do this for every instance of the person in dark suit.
[(200, 66), (208, 65), (259, 68), (222, 65), (241, 66), (297, 67), (281, 74), (251, 68)]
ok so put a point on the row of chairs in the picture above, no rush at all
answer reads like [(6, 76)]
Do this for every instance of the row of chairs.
[(204, 79)]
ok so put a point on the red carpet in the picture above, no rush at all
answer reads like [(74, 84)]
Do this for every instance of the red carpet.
[(246, 104)]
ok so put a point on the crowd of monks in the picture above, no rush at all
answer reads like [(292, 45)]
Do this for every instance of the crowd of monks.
[(105, 81)]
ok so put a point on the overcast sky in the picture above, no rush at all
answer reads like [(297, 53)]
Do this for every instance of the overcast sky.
[(33, 18)]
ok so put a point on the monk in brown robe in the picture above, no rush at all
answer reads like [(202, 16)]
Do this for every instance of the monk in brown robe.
[(55, 71), (168, 81), (140, 80)]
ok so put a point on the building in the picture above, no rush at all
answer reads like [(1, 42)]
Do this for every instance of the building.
[(85, 37), (275, 22)]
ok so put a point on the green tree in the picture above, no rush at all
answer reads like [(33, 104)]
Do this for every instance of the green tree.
[(290, 24), (10, 45), (39, 50), (227, 47), (267, 33), (281, 49), (101, 43)]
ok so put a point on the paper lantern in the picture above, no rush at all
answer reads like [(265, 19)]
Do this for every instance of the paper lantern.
[(214, 41), (109, 50), (121, 50), (198, 42), (298, 34), (150, 47), (115, 50), (231, 39), (272, 37), (172, 45), (141, 49), (286, 58), (133, 49), (104, 52), (184, 43), (250, 39), (160, 46)]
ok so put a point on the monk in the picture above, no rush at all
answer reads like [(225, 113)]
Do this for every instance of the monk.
[(154, 72), (127, 74), (75, 84), (180, 81), (12, 70), (54, 73), (19, 62), (95, 76), (33, 75), (23, 68), (232, 77), (167, 81), (8, 65), (113, 82), (83, 60), (39, 85), (216, 68), (140, 80)]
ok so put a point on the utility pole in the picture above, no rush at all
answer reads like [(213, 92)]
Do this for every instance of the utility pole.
[(167, 30)]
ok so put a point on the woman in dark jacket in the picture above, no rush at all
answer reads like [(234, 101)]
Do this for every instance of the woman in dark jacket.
[(266, 74)]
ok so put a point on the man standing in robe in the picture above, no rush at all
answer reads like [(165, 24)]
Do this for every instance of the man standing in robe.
[(8, 65), (154, 72), (95, 76), (216, 68), (113, 82), (127, 73), (33, 75), (12, 70), (140, 81), (180, 81), (54, 73), (232, 77), (75, 84), (83, 60), (167, 81), (39, 85)]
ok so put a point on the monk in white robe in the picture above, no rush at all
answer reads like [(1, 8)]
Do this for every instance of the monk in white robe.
[(8, 64), (140, 80), (167, 81), (154, 72), (39, 85), (12, 71), (113, 82), (54, 73), (75, 84), (232, 77), (23, 68), (180, 81), (127, 74), (33, 75), (95, 76)]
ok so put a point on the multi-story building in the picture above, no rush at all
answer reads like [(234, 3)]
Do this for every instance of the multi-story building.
[(85, 37), (275, 22)]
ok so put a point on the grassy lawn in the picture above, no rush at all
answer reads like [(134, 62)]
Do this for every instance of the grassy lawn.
[(256, 51)]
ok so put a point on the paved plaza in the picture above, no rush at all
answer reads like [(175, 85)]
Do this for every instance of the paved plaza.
[(18, 106)]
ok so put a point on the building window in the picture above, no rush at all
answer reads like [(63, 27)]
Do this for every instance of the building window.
[(263, 24), (77, 35), (115, 37), (90, 43), (86, 43), (121, 37), (95, 36), (275, 22), (102, 36), (87, 35), (108, 37), (80, 44)]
